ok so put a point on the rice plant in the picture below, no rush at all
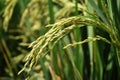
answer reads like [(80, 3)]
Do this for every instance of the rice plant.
[(69, 39)]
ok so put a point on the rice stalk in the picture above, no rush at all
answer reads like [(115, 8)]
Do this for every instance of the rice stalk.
[(88, 40), (39, 46), (8, 12)]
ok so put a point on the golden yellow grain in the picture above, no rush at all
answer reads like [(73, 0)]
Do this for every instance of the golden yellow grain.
[(10, 4)]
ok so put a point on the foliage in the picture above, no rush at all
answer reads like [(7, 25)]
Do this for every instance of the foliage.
[(67, 39)]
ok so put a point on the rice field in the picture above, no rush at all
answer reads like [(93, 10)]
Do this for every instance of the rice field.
[(59, 40)]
